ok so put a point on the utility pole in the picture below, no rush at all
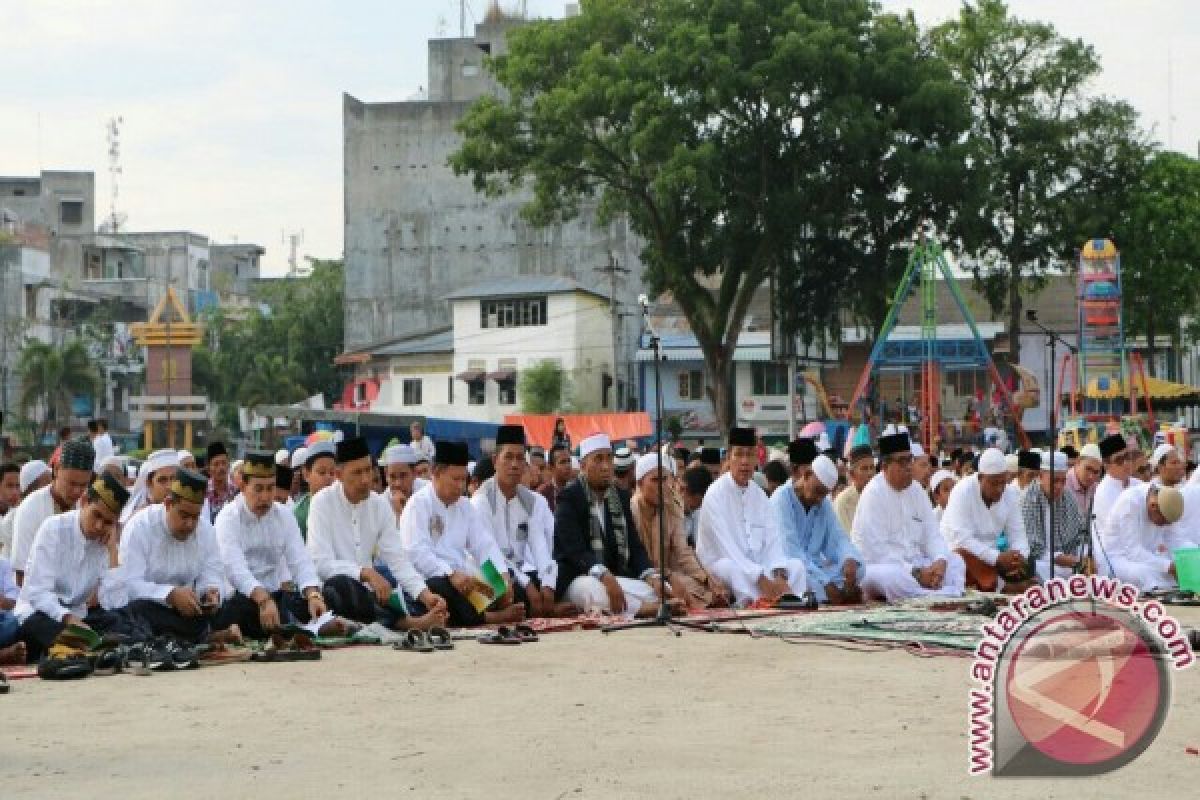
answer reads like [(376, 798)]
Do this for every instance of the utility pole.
[(612, 269), (168, 365)]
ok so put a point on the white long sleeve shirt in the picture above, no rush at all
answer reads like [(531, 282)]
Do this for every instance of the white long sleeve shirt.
[(737, 523), (64, 569), (156, 562), (1108, 491), (974, 526), (892, 527), (344, 537), (6, 532), (439, 538), (33, 511), (1133, 536), (525, 538), (262, 551), (103, 445)]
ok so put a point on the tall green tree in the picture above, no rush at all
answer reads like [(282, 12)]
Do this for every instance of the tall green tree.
[(1158, 234), (1042, 145), (719, 128), (52, 376), (542, 388), (270, 380)]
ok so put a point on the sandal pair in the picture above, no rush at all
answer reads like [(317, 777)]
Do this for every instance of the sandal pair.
[(418, 641), (518, 634)]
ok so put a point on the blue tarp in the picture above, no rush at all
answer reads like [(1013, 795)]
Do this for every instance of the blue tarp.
[(436, 428)]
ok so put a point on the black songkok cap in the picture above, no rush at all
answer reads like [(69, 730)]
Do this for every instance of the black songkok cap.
[(283, 477), (802, 452), (352, 450), (452, 454), (710, 455), (216, 449), (189, 485), (742, 437), (510, 434), (894, 443), (258, 464), (108, 490), (1028, 459), (1111, 445)]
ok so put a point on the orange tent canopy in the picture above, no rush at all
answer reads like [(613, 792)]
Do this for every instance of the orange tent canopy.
[(539, 428)]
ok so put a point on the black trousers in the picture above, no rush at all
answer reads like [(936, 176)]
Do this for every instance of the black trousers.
[(462, 613), (242, 611), (348, 597), (39, 631), (521, 593), (165, 621)]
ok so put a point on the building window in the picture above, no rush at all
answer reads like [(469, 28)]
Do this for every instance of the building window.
[(360, 393), (476, 393), (412, 391), (691, 385), (512, 313), (769, 379), (70, 212), (506, 392)]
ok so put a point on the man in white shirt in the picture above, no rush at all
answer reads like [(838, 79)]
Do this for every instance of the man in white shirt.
[(983, 525), (1029, 466), (1169, 466), (521, 523), (897, 533), (319, 464), (421, 444), (73, 574), (259, 539), (173, 566), (738, 538), (153, 482), (102, 443), (397, 462), (10, 498), (1118, 476), (448, 542), (350, 529), (70, 481), (1141, 536)]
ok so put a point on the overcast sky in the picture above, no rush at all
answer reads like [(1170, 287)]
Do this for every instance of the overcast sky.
[(232, 108)]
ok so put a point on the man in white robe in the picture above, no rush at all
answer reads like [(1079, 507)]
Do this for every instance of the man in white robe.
[(1118, 476), (173, 566), (448, 542), (261, 548), (1170, 468), (398, 462), (1141, 537), (521, 523), (350, 530), (71, 479), (102, 443), (983, 525), (738, 537), (153, 482), (73, 575), (897, 533)]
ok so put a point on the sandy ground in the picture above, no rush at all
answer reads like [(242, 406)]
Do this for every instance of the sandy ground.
[(580, 715)]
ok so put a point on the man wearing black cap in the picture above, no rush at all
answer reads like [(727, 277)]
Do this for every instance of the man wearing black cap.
[(75, 557), (440, 529), (173, 565), (220, 490), (1118, 476), (258, 538), (521, 523), (710, 457), (897, 533), (350, 528), (623, 463), (738, 538), (1029, 466), (71, 479), (283, 486), (860, 470)]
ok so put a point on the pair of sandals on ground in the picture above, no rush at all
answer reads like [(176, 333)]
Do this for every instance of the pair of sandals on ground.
[(438, 638)]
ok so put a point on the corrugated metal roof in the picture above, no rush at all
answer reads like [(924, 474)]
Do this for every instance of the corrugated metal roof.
[(439, 341), (522, 285)]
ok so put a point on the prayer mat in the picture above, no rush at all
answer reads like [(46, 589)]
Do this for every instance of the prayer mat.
[(17, 673), (898, 625)]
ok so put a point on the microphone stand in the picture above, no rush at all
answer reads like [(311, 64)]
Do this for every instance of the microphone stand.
[(1051, 338), (663, 617)]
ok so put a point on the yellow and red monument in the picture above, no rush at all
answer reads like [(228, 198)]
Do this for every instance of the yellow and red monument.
[(168, 403)]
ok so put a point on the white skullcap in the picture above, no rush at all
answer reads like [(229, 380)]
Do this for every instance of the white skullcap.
[(992, 462), (1060, 461), (131, 472), (892, 429), (398, 454), (917, 450), (649, 463), (471, 468), (31, 472), (281, 457), (938, 477), (1011, 462), (597, 441), (825, 471), (823, 442), (1091, 450), (159, 459), (1160, 453), (298, 457), (186, 454)]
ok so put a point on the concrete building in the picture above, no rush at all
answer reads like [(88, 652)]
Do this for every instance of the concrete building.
[(471, 371), (233, 271), (415, 232)]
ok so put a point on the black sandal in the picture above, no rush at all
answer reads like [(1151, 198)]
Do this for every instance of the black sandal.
[(415, 641), (440, 638)]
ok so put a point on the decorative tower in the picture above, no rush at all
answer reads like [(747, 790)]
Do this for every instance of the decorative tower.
[(168, 336)]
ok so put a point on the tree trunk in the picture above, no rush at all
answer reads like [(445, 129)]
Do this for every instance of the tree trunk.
[(1014, 313), (1150, 336), (721, 389)]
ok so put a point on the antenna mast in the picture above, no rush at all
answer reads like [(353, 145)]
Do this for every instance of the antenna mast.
[(114, 167)]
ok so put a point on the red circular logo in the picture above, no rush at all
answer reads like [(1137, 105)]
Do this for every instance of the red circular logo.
[(1086, 688)]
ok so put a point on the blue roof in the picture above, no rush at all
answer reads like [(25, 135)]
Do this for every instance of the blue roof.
[(523, 285)]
